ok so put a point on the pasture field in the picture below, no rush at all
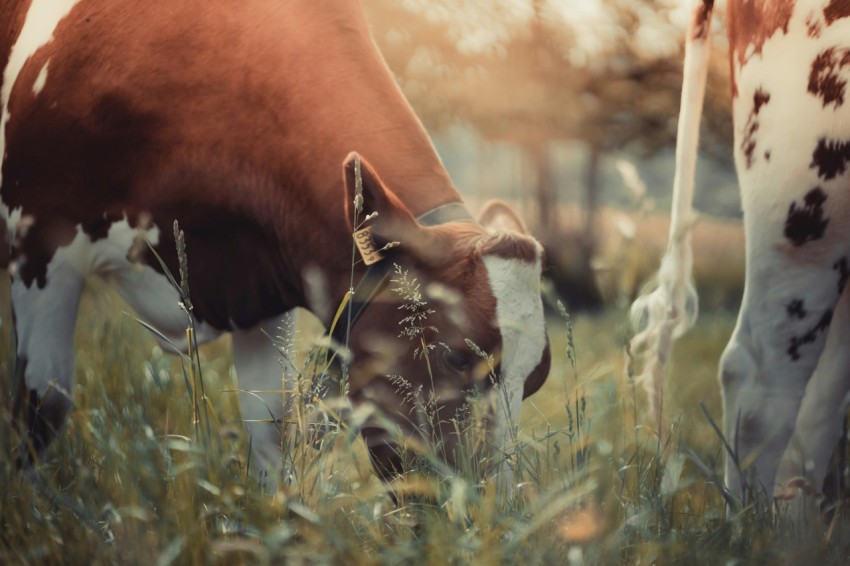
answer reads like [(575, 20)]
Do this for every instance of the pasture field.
[(147, 472)]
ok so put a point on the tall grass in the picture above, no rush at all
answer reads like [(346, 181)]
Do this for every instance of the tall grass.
[(152, 468), (129, 481)]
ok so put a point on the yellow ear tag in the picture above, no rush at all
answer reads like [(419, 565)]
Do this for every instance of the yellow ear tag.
[(366, 246)]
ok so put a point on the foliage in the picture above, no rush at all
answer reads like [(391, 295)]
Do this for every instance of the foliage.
[(607, 73), (132, 479)]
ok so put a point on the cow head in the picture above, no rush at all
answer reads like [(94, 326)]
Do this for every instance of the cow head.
[(450, 289)]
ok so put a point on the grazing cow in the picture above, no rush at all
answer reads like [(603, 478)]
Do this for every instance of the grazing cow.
[(120, 116), (785, 373)]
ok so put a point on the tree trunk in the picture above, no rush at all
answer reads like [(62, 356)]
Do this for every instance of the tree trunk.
[(591, 187), (545, 190), (570, 270)]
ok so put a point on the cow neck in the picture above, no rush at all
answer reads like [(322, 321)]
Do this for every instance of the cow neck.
[(376, 275), (362, 109)]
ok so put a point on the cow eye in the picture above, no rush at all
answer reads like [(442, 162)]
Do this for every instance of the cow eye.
[(458, 361)]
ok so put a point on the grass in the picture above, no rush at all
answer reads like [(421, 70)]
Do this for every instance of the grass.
[(131, 479)]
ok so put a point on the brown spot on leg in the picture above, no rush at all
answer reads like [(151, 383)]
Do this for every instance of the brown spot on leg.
[(806, 223), (748, 144), (825, 79), (750, 25), (830, 158), (760, 98), (796, 309), (836, 10), (702, 20), (814, 25), (809, 337)]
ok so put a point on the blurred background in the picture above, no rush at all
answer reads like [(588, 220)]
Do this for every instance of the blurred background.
[(568, 109)]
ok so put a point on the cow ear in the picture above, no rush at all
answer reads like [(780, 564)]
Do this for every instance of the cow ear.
[(370, 203), (497, 216)]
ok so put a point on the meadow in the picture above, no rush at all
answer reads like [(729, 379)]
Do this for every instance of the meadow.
[(153, 468)]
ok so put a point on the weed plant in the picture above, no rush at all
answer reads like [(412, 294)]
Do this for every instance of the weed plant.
[(153, 466)]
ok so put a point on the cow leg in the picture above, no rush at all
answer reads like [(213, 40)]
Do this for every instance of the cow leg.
[(255, 357), (781, 331), (156, 302), (45, 318), (820, 420), (264, 380)]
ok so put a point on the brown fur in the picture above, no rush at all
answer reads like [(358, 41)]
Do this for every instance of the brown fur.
[(836, 10), (751, 23), (701, 26)]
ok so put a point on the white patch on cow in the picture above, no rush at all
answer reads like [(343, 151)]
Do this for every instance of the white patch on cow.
[(519, 314), (41, 21), (12, 217), (265, 381), (46, 316), (40, 80)]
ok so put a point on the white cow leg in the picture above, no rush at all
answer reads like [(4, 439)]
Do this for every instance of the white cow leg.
[(781, 332), (805, 463), (155, 300), (508, 405), (254, 354), (44, 323), (264, 378)]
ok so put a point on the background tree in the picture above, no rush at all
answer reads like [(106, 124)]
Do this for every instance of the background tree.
[(606, 74)]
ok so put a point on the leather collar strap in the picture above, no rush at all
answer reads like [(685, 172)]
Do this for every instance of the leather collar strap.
[(443, 214), (377, 274)]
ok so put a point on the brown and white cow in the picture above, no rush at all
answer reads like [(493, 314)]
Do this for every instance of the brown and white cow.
[(236, 118), (786, 370)]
